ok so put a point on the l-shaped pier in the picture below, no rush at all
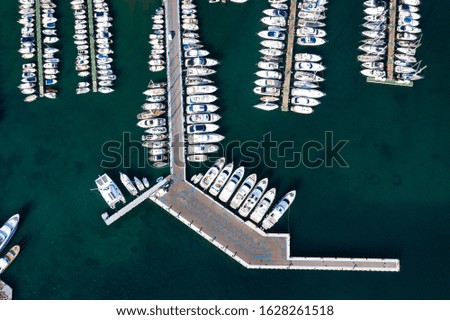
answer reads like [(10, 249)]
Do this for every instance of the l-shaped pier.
[(289, 56)]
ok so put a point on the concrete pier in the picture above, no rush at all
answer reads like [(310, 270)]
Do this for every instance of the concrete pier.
[(92, 45), (289, 56), (109, 219), (39, 49)]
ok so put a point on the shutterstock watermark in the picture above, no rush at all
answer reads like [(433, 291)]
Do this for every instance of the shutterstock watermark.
[(312, 154)]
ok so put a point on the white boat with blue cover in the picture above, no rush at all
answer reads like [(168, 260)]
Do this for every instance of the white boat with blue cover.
[(7, 230)]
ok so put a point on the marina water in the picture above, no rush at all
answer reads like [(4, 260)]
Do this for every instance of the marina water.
[(393, 201)]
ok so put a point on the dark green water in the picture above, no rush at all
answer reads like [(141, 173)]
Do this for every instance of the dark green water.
[(393, 201)]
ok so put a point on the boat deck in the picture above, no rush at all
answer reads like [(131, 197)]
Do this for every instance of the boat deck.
[(92, 45), (39, 49), (289, 56)]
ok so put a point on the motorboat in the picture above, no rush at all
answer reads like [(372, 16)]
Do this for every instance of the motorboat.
[(263, 206), (304, 101), (153, 137), (307, 57), (195, 53), (203, 89), (149, 123), (302, 109), (273, 44), (212, 173), (221, 179), (195, 81), (196, 99), (268, 65), (310, 93), (156, 130), (10, 256), (307, 76), (309, 66), (253, 198), (199, 71), (232, 184), (267, 106), (280, 208), (378, 74), (202, 148), (268, 83), (201, 128), (198, 62), (272, 35), (126, 181), (155, 144), (197, 158), (271, 52), (205, 138), (305, 84), (7, 231), (310, 41), (243, 191), (267, 91), (274, 21), (201, 108), (202, 118), (309, 31), (269, 74)]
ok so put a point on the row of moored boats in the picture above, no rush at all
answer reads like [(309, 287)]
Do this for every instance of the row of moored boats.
[(200, 111), (157, 61), (153, 120), (271, 66), (375, 46), (102, 36), (250, 199), (6, 233), (29, 48)]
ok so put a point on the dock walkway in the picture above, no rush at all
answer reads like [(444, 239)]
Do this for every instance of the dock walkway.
[(39, 49), (289, 56), (133, 204), (92, 45)]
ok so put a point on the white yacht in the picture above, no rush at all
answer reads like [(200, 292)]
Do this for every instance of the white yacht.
[(205, 138), (307, 57), (139, 184), (202, 118), (201, 108), (263, 206), (221, 179), (109, 191), (267, 106), (302, 109), (269, 74), (273, 44), (205, 89), (232, 184), (304, 101), (309, 66), (201, 128), (202, 148), (272, 35), (206, 98), (149, 123), (212, 173), (280, 208), (126, 181)]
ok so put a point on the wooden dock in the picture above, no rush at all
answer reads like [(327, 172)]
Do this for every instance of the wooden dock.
[(289, 56), (39, 49), (109, 219), (92, 45)]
